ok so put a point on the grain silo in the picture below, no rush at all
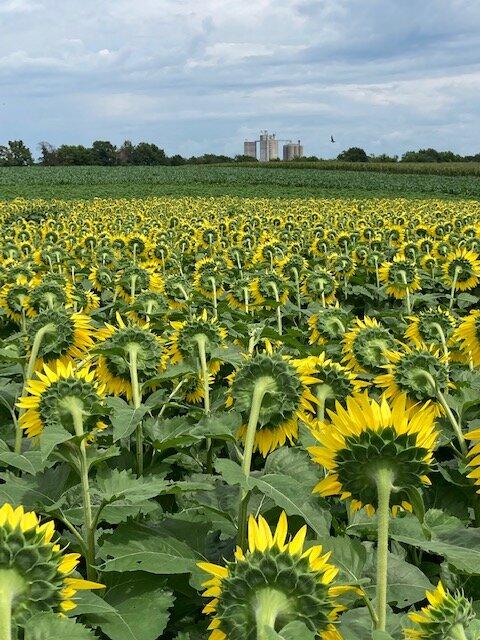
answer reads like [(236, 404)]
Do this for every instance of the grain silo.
[(292, 150)]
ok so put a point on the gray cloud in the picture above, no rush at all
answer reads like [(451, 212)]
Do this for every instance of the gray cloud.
[(202, 76)]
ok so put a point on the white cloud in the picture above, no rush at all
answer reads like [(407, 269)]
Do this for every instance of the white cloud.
[(205, 73)]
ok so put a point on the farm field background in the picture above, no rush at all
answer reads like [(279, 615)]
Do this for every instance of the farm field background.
[(360, 180), (246, 418)]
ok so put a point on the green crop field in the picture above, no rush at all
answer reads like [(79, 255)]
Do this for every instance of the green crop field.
[(250, 181)]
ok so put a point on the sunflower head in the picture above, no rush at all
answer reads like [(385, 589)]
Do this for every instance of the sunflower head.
[(269, 290), (272, 584), (35, 573), (327, 325), (120, 346), (366, 437), (410, 372), (186, 335), (428, 326), (444, 613), (54, 397), (65, 336), (366, 345), (399, 277), (462, 270), (468, 334), (286, 397), (319, 285)]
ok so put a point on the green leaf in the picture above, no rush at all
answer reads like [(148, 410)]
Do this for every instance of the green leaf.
[(124, 417), (349, 556), (173, 433), (287, 493), (113, 485), (296, 499), (297, 631), (221, 426), (36, 492), (29, 462), (381, 635), (416, 500), (48, 626), (460, 547), (136, 547), (231, 472), (52, 435), (406, 583), (138, 607)]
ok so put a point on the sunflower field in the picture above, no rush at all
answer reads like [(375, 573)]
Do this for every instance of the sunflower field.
[(240, 419)]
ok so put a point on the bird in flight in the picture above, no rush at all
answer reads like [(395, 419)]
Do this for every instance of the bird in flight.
[(331, 139)]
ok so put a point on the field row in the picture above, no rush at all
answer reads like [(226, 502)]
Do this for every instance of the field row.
[(87, 182)]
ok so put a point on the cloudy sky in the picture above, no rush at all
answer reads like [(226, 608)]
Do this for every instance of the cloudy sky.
[(203, 75)]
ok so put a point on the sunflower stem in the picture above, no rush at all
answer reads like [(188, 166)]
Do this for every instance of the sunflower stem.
[(443, 340), (453, 421), (76, 411), (268, 604), (297, 289), (10, 586), (262, 386), (202, 340), (403, 275), (133, 282), (457, 632), (215, 301), (456, 273), (384, 477), (137, 401), (322, 393), (37, 343), (279, 310), (246, 298)]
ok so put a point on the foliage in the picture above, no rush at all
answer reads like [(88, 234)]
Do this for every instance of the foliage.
[(169, 315)]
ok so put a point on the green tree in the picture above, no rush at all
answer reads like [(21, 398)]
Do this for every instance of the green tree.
[(15, 154), (146, 153), (74, 154), (353, 154), (104, 153)]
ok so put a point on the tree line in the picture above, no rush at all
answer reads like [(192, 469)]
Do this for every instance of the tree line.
[(104, 153)]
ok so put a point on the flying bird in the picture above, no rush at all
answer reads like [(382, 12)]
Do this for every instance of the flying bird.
[(332, 140)]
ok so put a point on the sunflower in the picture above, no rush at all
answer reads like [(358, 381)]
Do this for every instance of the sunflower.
[(36, 574), (272, 584), (366, 437), (399, 277), (461, 270), (208, 277), (365, 346), (238, 294), (286, 397), (121, 345), (184, 342), (66, 336), (409, 373), (52, 395), (134, 279), (14, 301), (101, 278), (429, 326), (474, 457), (269, 290), (446, 617), (468, 334), (327, 325), (50, 294), (335, 382), (319, 285)]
